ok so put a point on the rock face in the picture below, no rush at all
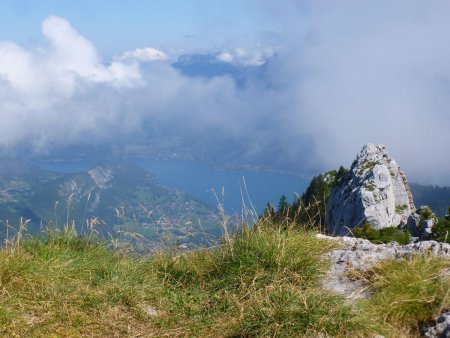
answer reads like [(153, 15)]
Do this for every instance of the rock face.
[(375, 190)]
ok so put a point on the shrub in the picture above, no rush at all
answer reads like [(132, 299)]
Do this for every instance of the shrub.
[(441, 230), (426, 213), (385, 235)]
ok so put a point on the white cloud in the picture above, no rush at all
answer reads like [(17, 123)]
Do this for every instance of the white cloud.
[(39, 86), (225, 57), (144, 55), (255, 56), (62, 93), (55, 72), (72, 54)]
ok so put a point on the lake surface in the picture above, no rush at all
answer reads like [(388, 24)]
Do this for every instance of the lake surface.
[(201, 179)]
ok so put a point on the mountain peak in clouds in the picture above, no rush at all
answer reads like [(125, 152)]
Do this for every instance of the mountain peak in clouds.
[(211, 65)]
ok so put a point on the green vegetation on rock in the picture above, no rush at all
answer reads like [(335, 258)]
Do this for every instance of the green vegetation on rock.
[(311, 206), (400, 208), (441, 230), (385, 235)]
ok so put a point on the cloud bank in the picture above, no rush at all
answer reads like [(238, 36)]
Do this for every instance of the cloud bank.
[(240, 56), (144, 55), (375, 71), (40, 89), (342, 75)]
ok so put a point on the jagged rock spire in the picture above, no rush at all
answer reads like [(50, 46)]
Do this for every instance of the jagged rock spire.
[(376, 190)]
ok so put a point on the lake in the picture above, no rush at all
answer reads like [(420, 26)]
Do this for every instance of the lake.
[(201, 179)]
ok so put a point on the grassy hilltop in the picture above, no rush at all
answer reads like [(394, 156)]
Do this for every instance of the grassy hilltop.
[(261, 282)]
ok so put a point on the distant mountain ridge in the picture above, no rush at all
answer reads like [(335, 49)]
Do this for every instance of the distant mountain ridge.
[(122, 197), (209, 66), (436, 197)]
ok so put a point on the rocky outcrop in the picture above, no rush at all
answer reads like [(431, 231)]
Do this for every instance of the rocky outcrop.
[(441, 329), (358, 255), (101, 176), (375, 190), (421, 222)]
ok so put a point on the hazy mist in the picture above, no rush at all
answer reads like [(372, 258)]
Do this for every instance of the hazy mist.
[(332, 77)]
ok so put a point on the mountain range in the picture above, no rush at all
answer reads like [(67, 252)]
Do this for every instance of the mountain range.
[(122, 200), (118, 199)]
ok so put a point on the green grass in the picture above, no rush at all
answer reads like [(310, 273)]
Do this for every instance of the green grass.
[(408, 293), (400, 208), (265, 282), (67, 286)]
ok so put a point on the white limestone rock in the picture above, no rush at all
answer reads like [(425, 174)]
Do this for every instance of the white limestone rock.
[(358, 255), (442, 327), (376, 190)]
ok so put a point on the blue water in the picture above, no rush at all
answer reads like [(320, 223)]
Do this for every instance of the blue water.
[(201, 179)]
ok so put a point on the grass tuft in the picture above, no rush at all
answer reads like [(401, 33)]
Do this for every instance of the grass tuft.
[(408, 293), (287, 311)]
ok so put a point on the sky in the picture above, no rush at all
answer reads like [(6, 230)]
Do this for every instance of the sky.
[(332, 76), (116, 26)]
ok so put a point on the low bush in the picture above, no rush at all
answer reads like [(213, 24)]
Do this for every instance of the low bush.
[(385, 235), (441, 230)]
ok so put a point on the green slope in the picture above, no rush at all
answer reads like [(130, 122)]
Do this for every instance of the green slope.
[(122, 199)]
